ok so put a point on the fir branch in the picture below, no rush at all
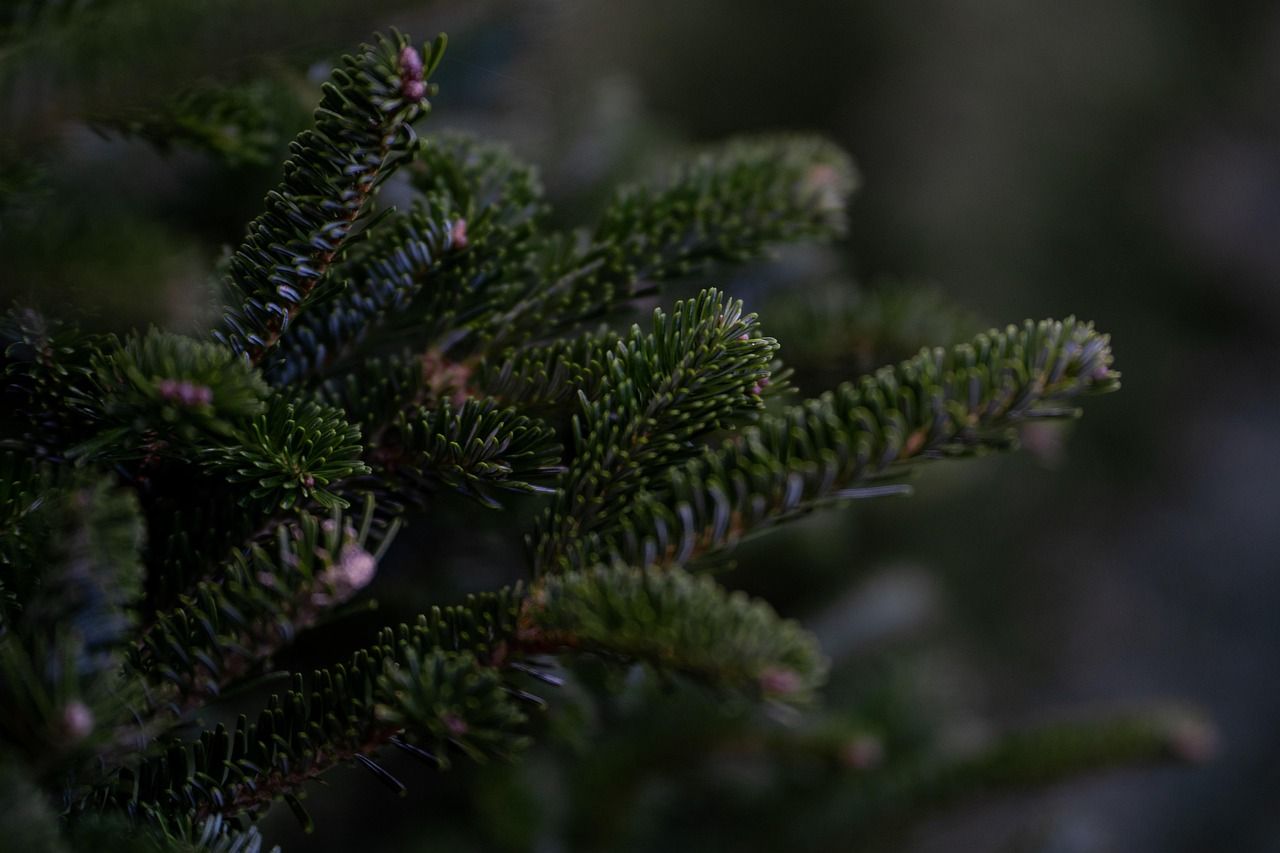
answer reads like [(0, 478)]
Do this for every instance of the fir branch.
[(1015, 761), (443, 684), (294, 451), (49, 386), (695, 372), (361, 135), (940, 404), (166, 395), (423, 273), (73, 614), (232, 624), (476, 449), (238, 124), (837, 328), (551, 376), (727, 205), (676, 622), (419, 676)]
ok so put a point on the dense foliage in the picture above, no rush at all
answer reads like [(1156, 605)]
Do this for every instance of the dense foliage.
[(176, 510)]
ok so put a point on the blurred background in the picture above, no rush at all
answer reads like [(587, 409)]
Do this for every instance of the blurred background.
[(1114, 159)]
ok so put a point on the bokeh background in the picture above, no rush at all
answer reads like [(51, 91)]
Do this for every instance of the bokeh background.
[(1114, 159)]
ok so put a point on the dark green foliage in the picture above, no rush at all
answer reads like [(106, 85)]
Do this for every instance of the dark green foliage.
[(725, 205), (176, 511), (427, 274), (849, 443), (236, 124), (257, 602), (437, 677), (697, 371), (452, 699), (167, 392), (678, 622), (545, 377), (47, 377), (296, 450), (74, 580), (361, 134), (477, 449)]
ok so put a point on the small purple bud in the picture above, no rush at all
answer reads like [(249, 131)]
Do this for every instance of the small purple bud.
[(412, 85), (777, 681), (187, 393), (1194, 741), (458, 234), (414, 90), (862, 753), (455, 725), (410, 62), (77, 720)]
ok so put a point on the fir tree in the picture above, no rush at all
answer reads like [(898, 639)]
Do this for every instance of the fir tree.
[(177, 509)]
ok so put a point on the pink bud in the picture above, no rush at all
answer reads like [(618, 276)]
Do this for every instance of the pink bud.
[(412, 85), (410, 61), (77, 720), (458, 234), (455, 725), (354, 570), (187, 393), (414, 90), (776, 681), (862, 753), (357, 566), (1194, 741)]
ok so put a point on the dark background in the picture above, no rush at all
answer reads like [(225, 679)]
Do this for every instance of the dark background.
[(1114, 159)]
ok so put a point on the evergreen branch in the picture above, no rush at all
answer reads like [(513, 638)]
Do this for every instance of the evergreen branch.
[(381, 389), (361, 135), (72, 619), (24, 485), (167, 395), (425, 272), (727, 205), (424, 676), (48, 369), (238, 124), (232, 624), (441, 684), (1018, 760), (940, 404), (476, 448), (695, 372), (293, 451), (839, 328), (675, 622), (383, 276), (551, 376)]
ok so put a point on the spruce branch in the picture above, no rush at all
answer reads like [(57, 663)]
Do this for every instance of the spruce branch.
[(848, 443), (698, 370), (361, 135)]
